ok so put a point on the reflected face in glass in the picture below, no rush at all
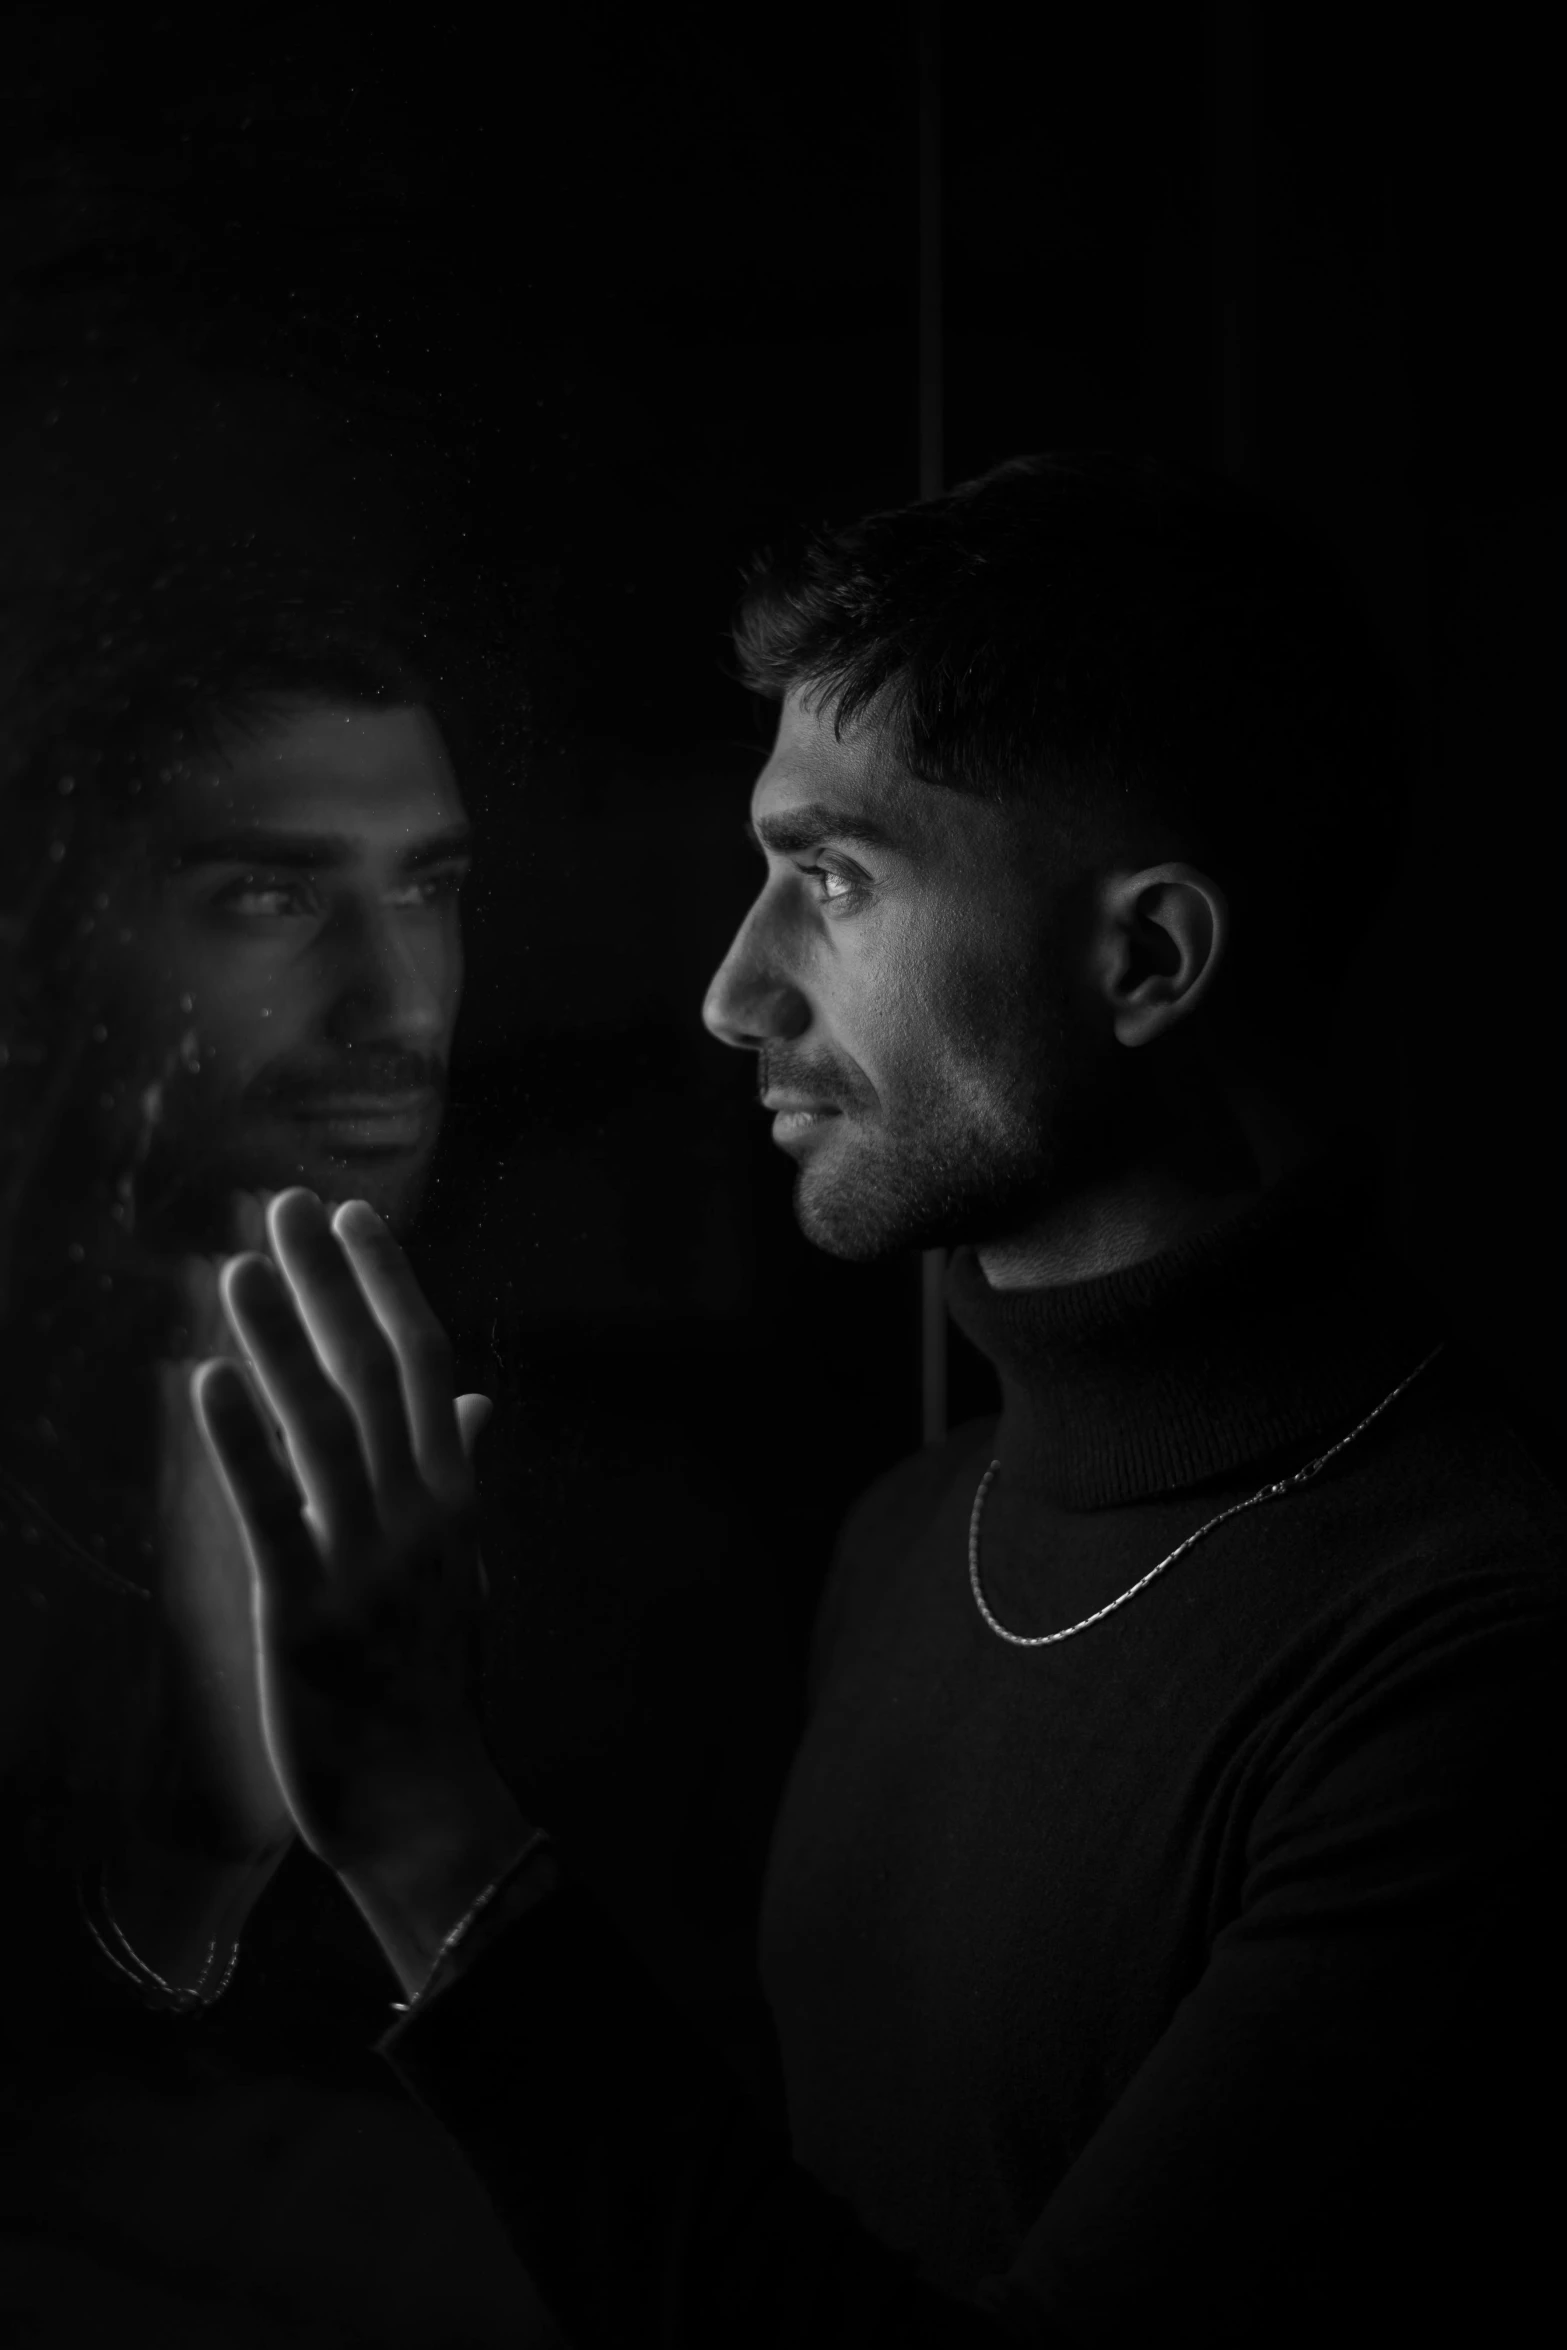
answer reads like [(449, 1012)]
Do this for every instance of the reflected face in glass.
[(294, 959), (903, 976)]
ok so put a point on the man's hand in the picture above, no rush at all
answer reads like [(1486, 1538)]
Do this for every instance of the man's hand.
[(208, 1822), (221, 1783), (367, 1582)]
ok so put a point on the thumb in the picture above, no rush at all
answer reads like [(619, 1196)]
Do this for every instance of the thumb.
[(473, 1416), (474, 1413)]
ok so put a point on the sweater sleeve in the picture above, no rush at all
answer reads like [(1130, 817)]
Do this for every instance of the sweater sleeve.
[(1328, 2137)]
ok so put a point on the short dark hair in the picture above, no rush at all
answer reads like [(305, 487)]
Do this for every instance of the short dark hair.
[(1124, 637)]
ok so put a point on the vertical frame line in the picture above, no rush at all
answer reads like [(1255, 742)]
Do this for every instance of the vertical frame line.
[(932, 469)]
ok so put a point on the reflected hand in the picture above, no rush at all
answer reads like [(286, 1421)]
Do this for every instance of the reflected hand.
[(220, 1798), (362, 1542)]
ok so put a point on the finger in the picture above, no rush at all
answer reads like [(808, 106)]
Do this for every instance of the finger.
[(417, 1340), (346, 1334), (249, 1221), (474, 1413), (318, 1428), (263, 1496), (473, 1418)]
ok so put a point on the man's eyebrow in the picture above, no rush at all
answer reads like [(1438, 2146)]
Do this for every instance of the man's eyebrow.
[(313, 852), (438, 848), (796, 829)]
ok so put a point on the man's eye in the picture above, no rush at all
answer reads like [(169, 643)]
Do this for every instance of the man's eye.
[(431, 889), (833, 888), (257, 900)]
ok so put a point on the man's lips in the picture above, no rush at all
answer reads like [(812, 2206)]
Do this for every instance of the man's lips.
[(792, 1116), (361, 1121), (355, 1105)]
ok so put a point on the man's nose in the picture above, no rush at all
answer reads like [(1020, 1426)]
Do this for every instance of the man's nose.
[(753, 999), (384, 990)]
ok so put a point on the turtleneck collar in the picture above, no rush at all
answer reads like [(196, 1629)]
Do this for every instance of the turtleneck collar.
[(1261, 1331)]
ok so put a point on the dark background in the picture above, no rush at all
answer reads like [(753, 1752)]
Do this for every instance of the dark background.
[(650, 282)]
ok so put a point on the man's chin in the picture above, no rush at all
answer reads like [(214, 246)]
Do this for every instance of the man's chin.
[(869, 1212), (862, 1224)]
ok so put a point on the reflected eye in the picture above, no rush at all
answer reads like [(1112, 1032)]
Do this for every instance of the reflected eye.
[(259, 897), (429, 890), (253, 898)]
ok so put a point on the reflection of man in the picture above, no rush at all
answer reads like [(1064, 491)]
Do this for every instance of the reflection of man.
[(1154, 1930), (297, 931), (272, 976), (293, 924)]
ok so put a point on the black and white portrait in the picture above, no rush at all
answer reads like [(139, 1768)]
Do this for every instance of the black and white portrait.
[(781, 1537)]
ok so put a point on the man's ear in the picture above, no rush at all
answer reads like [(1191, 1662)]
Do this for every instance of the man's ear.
[(1160, 938)]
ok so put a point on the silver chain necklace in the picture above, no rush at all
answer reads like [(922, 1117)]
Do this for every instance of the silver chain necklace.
[(1284, 1485)]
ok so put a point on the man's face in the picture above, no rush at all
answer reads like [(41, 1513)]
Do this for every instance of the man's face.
[(292, 953), (906, 979)]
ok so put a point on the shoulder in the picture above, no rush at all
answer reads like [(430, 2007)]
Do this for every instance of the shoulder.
[(1415, 1622), (1444, 1502), (1467, 1486)]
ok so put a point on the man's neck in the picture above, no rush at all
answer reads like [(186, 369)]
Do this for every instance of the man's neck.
[(1136, 1212)]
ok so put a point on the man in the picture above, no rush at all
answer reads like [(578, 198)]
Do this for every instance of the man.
[(298, 928), (1151, 1929), (269, 847), (288, 947)]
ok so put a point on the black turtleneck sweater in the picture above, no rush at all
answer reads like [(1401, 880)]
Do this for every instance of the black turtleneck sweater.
[(1189, 1977)]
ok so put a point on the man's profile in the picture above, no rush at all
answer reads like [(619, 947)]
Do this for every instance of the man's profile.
[(1152, 1929)]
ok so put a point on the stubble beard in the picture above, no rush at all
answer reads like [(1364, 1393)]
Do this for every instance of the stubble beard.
[(970, 1154), (888, 1190), (196, 1167)]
